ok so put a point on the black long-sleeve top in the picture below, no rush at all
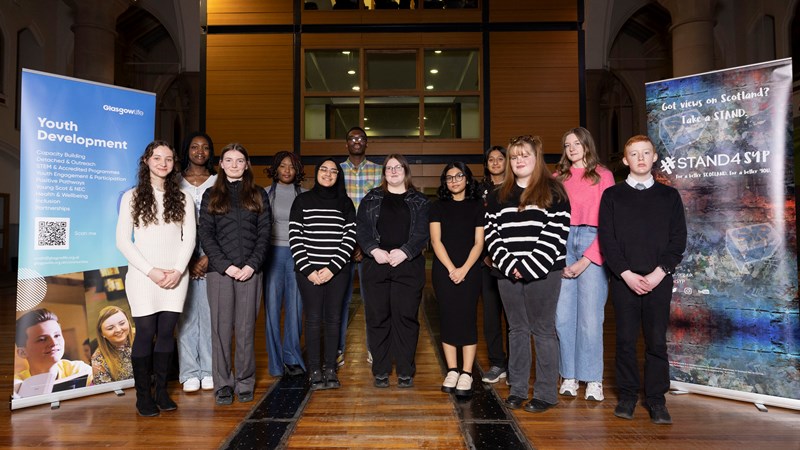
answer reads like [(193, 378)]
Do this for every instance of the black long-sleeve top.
[(533, 241), (641, 230)]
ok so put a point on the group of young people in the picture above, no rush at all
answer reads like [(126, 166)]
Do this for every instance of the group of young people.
[(537, 246)]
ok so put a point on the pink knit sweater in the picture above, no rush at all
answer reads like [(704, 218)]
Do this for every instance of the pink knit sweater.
[(584, 199)]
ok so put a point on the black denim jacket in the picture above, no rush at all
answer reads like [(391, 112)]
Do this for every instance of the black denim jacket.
[(367, 222)]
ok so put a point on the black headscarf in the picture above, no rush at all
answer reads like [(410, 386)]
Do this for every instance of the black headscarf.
[(335, 192)]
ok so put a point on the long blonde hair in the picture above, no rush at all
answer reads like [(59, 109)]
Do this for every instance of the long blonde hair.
[(111, 355), (543, 188)]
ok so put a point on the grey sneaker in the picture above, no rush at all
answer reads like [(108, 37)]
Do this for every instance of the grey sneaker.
[(494, 375)]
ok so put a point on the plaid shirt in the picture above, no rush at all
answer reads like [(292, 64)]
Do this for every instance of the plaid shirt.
[(359, 180)]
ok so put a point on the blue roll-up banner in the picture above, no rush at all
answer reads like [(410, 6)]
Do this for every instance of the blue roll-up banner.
[(724, 140), (80, 142)]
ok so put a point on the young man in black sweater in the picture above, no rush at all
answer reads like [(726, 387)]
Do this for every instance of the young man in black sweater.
[(642, 231)]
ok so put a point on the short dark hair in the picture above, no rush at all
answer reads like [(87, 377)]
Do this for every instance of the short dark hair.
[(299, 175), (356, 128), (30, 319)]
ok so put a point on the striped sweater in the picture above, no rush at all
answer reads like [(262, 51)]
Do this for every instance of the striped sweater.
[(533, 241), (322, 233)]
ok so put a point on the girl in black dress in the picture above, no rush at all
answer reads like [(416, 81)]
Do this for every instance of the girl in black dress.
[(456, 224)]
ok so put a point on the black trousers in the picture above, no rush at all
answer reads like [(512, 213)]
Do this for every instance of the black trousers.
[(322, 306), (493, 314), (650, 314), (394, 295)]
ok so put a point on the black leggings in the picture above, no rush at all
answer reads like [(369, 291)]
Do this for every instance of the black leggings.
[(160, 326)]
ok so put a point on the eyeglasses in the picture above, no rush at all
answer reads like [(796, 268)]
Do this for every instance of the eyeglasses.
[(356, 139), (457, 178), (397, 168), (325, 169)]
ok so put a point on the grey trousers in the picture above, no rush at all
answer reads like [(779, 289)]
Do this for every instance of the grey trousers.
[(234, 306), (531, 311)]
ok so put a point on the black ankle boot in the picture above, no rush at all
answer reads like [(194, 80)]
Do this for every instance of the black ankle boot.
[(145, 405), (161, 365)]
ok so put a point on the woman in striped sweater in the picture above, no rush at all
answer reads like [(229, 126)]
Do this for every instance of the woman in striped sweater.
[(322, 236), (527, 224)]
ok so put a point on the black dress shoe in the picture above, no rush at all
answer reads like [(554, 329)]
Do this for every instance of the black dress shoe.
[(659, 415), (405, 382), (537, 406), (331, 380), (294, 370), (382, 381), (514, 402), (624, 409), (316, 380)]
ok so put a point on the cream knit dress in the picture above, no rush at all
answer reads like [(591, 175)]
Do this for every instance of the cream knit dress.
[(161, 245)]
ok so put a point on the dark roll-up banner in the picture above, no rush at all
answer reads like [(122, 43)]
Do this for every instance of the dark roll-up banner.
[(80, 143), (724, 140)]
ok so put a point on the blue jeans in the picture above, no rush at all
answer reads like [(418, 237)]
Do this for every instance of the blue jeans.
[(580, 312), (346, 305), (280, 290), (194, 333)]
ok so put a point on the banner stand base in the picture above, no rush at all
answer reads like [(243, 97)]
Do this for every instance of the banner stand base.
[(119, 392), (761, 407), (55, 405)]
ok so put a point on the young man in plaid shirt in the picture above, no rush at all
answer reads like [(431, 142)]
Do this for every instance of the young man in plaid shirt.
[(360, 175)]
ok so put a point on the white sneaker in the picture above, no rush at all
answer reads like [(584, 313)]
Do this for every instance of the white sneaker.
[(464, 385), (207, 383), (594, 391), (191, 385), (450, 381), (569, 387)]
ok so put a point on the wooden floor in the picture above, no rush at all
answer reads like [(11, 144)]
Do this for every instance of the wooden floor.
[(361, 416)]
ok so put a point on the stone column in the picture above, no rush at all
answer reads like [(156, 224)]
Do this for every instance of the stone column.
[(692, 35), (95, 33)]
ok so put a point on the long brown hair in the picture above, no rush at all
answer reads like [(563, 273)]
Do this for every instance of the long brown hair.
[(542, 188), (589, 156), (249, 194), (111, 355), (144, 201), (406, 170)]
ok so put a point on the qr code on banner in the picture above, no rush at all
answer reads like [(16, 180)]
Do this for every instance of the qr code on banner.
[(52, 233)]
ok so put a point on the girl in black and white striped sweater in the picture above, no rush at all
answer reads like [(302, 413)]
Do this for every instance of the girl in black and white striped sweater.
[(322, 236), (527, 224)]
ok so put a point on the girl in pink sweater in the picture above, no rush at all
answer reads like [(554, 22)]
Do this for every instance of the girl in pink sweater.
[(584, 287)]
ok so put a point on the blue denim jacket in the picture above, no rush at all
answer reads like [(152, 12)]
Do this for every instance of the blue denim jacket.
[(367, 223)]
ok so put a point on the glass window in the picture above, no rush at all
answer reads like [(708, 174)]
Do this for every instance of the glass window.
[(452, 118), (451, 70), (330, 117), (391, 117), (391, 69), (332, 70)]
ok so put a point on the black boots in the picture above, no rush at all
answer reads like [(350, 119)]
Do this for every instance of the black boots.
[(145, 404), (161, 365)]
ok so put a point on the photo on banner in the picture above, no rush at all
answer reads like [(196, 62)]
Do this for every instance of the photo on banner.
[(724, 140), (80, 143)]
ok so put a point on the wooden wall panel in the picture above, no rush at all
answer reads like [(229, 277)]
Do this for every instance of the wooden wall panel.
[(533, 11), (534, 86), (384, 40), (250, 12), (392, 16), (249, 91)]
